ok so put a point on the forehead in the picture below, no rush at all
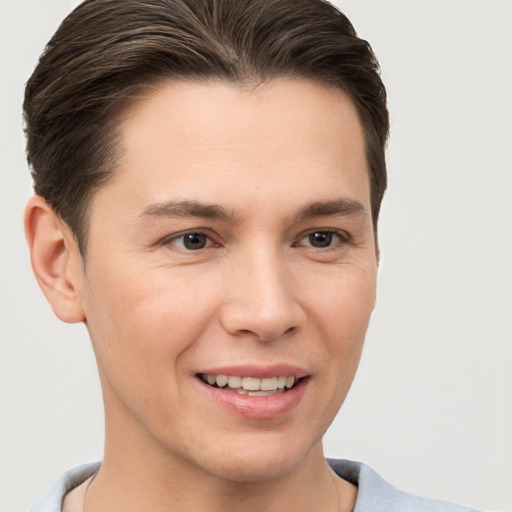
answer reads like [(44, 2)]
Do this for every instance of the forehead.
[(220, 111), (210, 135)]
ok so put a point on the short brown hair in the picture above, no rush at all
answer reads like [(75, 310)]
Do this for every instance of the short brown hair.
[(107, 51)]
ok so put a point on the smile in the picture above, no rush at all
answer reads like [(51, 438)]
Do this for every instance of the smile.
[(255, 392), (251, 386)]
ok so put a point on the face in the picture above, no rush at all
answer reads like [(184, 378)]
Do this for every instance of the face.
[(232, 254)]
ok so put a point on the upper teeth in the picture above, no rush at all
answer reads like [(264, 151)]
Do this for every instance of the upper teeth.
[(250, 383)]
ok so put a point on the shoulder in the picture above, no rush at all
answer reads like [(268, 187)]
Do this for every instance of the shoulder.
[(52, 500), (376, 495)]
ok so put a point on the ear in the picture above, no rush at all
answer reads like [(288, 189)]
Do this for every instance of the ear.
[(55, 258)]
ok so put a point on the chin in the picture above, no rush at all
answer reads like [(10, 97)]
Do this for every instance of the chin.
[(243, 470), (259, 461)]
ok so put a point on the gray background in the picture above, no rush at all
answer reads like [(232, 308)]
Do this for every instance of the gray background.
[(431, 407)]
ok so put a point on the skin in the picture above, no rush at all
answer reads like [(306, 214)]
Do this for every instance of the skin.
[(258, 293)]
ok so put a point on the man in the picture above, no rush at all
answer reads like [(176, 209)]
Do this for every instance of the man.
[(208, 179)]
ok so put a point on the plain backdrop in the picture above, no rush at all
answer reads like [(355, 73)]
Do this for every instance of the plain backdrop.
[(431, 407)]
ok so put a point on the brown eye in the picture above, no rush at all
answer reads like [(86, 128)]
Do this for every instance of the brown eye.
[(321, 239), (191, 241)]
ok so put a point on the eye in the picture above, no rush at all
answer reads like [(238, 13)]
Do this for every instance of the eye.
[(322, 239), (191, 241)]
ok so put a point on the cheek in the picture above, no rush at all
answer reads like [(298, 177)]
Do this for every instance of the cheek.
[(342, 317), (343, 305), (143, 332), (142, 325)]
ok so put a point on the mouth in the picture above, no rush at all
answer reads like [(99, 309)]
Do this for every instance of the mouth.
[(251, 386)]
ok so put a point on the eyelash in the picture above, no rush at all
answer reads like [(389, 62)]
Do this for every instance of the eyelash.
[(343, 238), (174, 238), (209, 242)]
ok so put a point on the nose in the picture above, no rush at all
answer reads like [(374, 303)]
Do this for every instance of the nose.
[(261, 300)]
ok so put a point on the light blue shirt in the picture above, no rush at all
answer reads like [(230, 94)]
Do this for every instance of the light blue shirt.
[(374, 493)]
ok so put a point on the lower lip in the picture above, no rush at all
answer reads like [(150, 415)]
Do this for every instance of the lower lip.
[(258, 407)]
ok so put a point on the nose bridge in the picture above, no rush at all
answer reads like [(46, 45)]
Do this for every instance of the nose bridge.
[(261, 297)]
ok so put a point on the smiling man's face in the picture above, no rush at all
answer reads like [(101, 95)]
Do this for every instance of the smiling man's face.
[(232, 254)]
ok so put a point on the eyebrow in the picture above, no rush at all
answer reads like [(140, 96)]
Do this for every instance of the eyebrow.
[(340, 207), (186, 209)]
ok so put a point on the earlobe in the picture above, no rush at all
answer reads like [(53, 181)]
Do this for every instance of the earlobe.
[(55, 259)]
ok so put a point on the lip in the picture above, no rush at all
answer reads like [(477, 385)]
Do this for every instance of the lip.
[(257, 371), (257, 407)]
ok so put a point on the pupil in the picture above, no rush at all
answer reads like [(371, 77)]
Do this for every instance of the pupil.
[(194, 241), (320, 239)]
